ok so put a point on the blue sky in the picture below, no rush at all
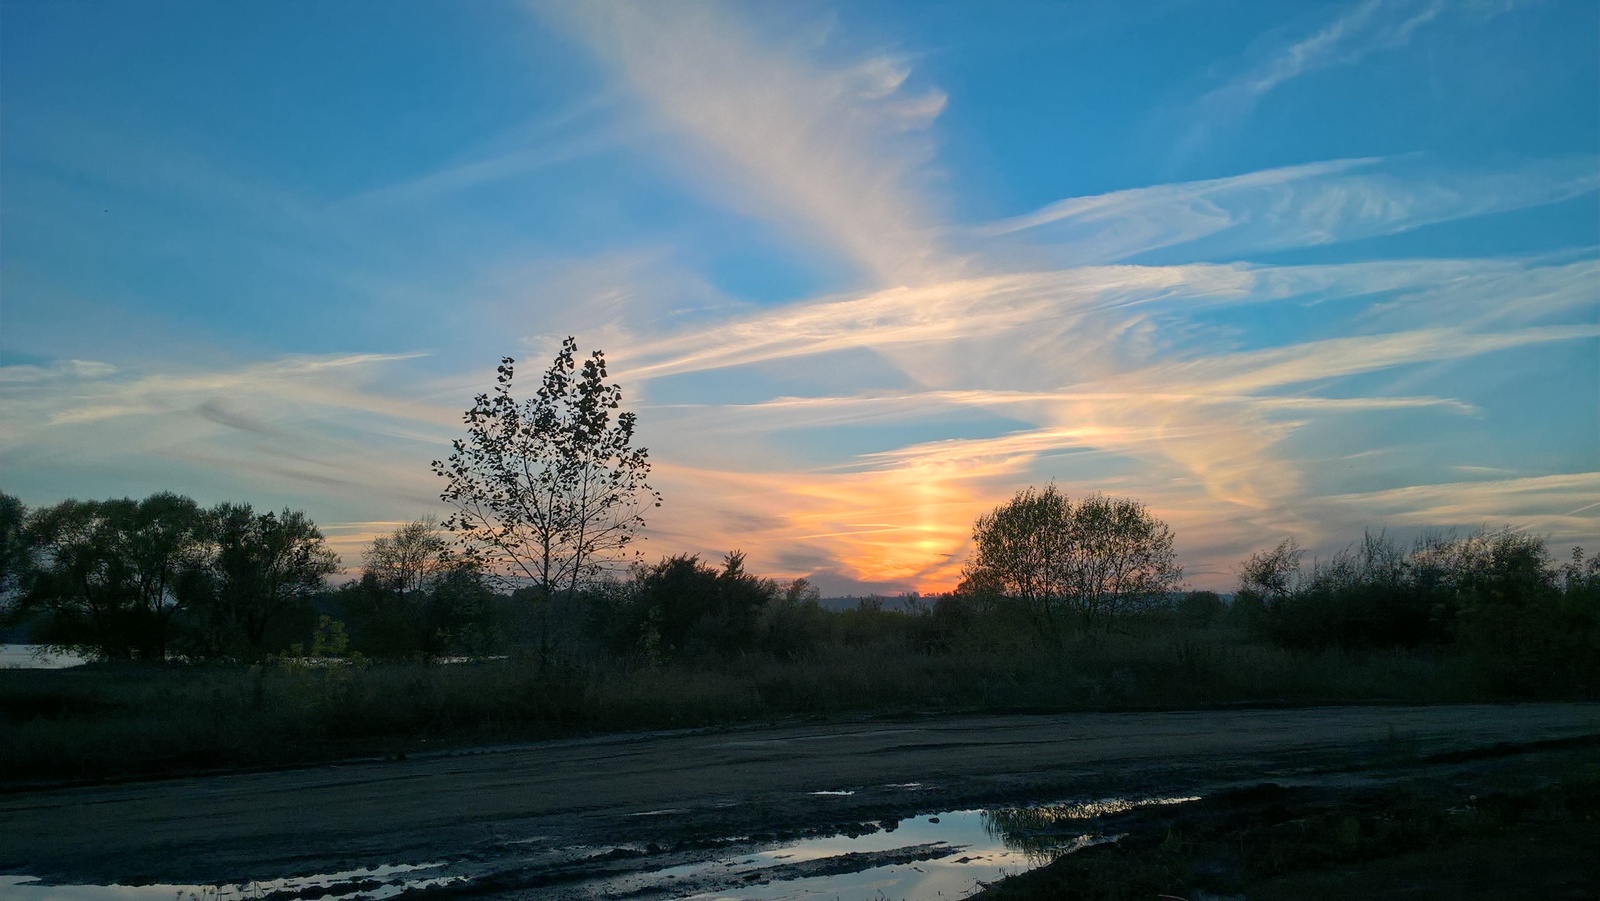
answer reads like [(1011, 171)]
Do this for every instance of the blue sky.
[(864, 270)]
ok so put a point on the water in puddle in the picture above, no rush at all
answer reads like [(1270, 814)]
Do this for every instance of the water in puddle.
[(30, 656), (374, 883), (945, 855)]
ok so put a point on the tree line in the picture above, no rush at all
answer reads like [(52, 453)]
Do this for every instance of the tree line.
[(1500, 595), (144, 579), (548, 496)]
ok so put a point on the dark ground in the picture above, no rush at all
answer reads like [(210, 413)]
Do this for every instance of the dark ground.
[(1512, 822), (1338, 776)]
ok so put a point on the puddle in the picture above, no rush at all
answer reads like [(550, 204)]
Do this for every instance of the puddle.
[(949, 854), (30, 656), (374, 883)]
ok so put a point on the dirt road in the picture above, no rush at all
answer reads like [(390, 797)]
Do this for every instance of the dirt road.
[(605, 791)]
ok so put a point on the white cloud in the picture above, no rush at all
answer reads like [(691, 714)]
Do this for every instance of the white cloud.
[(22, 375), (988, 357), (1367, 28), (1360, 31), (582, 130), (829, 151), (1293, 206), (332, 422), (1294, 364), (1565, 507)]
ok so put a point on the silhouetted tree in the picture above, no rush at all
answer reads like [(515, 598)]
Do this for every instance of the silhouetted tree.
[(265, 567), (1495, 596), (551, 488), (461, 616), (1021, 551), (1509, 600), (1123, 558), (1097, 558), (1266, 580), (800, 591), (1369, 595), (686, 607), (409, 559), (111, 576), (416, 598), (794, 621), (16, 559)]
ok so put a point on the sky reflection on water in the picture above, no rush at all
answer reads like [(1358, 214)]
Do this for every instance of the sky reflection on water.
[(962, 850), (375, 883), (945, 855), (32, 656)]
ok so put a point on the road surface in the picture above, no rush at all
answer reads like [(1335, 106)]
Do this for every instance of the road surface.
[(660, 787)]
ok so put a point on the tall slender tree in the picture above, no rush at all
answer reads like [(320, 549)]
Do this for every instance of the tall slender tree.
[(550, 489), (410, 559)]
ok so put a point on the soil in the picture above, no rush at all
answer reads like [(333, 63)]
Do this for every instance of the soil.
[(1515, 821), (529, 819)]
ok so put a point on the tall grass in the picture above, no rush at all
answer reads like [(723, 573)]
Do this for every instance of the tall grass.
[(104, 721)]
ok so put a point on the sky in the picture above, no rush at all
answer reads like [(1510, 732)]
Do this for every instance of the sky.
[(863, 270)]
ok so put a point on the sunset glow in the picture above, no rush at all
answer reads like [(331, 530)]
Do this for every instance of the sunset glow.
[(863, 270)]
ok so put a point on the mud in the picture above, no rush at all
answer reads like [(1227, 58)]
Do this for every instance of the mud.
[(567, 818)]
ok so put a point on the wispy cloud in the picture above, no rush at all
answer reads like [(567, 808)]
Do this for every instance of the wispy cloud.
[(1562, 506), (1337, 357), (1365, 29), (1360, 31), (584, 129), (1118, 342), (1201, 438), (1293, 206), (323, 380), (335, 426), (830, 151), (15, 377), (929, 319)]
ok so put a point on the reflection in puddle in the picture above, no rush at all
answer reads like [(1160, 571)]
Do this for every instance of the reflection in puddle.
[(944, 855), (1040, 831), (949, 854), (32, 656), (374, 883)]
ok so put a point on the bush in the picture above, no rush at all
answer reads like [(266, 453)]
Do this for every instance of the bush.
[(1493, 596)]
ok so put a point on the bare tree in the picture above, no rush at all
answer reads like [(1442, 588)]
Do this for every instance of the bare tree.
[(1268, 577), (550, 489), (409, 559)]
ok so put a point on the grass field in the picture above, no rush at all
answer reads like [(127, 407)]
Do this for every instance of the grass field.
[(112, 721)]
